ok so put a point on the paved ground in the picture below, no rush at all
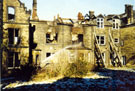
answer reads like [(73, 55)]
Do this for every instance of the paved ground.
[(107, 80)]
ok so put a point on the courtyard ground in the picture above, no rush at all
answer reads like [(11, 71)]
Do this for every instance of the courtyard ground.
[(112, 79)]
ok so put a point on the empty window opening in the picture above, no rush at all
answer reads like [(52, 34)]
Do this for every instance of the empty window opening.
[(77, 38), (13, 59), (80, 37), (11, 14), (13, 35), (56, 37), (116, 40), (48, 38), (17, 62), (51, 38), (48, 54), (101, 40), (16, 36), (10, 59), (37, 59)]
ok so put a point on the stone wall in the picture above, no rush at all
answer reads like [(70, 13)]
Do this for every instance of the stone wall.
[(105, 48), (128, 45), (21, 23), (21, 13), (45, 27)]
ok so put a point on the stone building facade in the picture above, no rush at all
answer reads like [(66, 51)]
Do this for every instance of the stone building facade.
[(96, 39), (1, 28)]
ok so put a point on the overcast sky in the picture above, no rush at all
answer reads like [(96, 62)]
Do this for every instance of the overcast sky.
[(47, 9)]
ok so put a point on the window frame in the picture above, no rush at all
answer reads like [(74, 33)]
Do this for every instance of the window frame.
[(116, 41), (100, 22), (100, 40), (115, 24)]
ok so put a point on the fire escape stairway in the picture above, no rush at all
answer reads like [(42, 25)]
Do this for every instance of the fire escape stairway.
[(115, 55), (98, 53)]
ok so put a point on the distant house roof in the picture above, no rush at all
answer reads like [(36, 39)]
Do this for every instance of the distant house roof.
[(113, 16), (100, 16), (123, 15), (110, 16), (116, 17)]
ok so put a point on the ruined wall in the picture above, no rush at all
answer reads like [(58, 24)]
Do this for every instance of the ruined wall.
[(65, 37), (20, 23), (21, 13), (52, 38), (40, 39), (63, 34)]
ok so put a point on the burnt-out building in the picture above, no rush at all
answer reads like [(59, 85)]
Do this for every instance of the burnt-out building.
[(99, 39)]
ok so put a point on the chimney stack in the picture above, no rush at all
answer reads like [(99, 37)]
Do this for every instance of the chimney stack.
[(91, 13), (34, 13), (129, 12), (80, 16)]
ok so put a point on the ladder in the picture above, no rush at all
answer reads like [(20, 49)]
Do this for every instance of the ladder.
[(115, 55), (98, 53)]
